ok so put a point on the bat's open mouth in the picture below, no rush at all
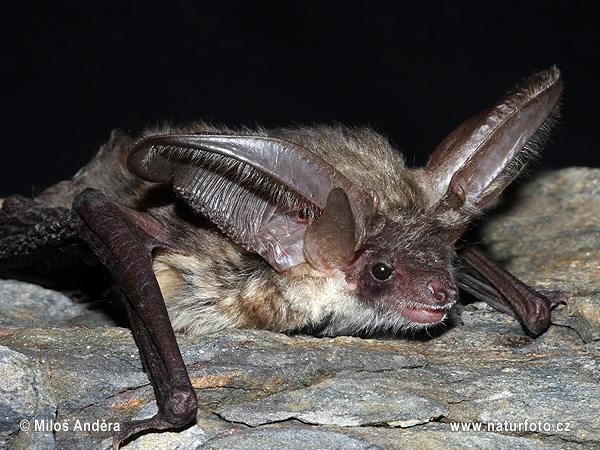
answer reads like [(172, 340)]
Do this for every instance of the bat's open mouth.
[(423, 314)]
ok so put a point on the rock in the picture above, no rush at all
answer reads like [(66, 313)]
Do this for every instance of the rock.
[(481, 382), (346, 399), (30, 305), (24, 394)]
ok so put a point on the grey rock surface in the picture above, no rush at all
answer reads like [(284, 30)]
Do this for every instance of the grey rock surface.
[(24, 393), (479, 383), (29, 305)]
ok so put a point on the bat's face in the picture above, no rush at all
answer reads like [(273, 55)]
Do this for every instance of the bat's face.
[(403, 270)]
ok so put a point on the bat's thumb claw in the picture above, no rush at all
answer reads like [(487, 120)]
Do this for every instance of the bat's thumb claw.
[(555, 297), (157, 422)]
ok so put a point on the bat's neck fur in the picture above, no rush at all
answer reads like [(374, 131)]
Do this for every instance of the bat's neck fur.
[(204, 296)]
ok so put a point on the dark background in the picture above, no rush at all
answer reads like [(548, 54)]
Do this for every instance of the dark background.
[(72, 73)]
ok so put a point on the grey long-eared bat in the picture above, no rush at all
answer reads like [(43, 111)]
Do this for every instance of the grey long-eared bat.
[(321, 229)]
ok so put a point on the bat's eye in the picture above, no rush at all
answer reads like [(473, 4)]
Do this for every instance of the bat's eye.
[(381, 271)]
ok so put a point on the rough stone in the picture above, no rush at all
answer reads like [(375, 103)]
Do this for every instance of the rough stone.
[(24, 394), (480, 382), (347, 399), (29, 305)]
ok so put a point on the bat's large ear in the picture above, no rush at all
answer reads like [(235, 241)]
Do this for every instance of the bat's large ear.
[(481, 157), (264, 193)]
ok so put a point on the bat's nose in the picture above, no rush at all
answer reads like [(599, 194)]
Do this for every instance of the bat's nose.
[(440, 294)]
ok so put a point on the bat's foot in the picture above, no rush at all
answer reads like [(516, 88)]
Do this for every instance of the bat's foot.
[(156, 423)]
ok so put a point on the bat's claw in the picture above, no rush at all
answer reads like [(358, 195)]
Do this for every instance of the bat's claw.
[(155, 423), (542, 302), (555, 297)]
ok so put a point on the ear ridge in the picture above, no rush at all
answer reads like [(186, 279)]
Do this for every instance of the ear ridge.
[(252, 187), (481, 157)]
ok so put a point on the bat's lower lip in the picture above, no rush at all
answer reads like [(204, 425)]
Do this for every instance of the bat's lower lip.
[(423, 314)]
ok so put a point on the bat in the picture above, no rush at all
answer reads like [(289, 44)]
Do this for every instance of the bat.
[(321, 229)]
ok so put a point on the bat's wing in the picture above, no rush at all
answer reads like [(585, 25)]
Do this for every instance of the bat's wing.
[(473, 165), (36, 241), (267, 194), (486, 280), (118, 236), (122, 239)]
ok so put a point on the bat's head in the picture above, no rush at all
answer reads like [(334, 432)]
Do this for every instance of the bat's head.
[(406, 269), (402, 268)]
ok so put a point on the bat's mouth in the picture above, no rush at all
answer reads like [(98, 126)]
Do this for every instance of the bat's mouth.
[(423, 314)]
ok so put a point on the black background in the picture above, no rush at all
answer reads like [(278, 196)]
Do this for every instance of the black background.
[(72, 72)]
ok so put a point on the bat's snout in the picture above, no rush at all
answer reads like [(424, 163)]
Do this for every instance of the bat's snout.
[(440, 294), (433, 298)]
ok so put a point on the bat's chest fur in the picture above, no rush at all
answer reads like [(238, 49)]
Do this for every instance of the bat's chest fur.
[(204, 293)]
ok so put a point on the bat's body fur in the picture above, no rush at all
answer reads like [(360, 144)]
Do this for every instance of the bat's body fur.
[(210, 283)]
